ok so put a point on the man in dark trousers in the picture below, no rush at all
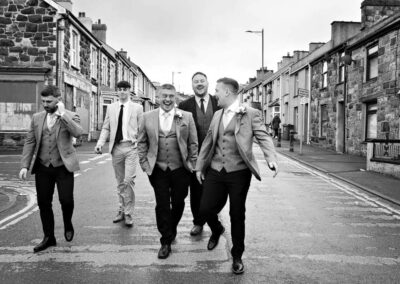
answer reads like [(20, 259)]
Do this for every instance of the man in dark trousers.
[(226, 163), (275, 125), (202, 106), (49, 154)]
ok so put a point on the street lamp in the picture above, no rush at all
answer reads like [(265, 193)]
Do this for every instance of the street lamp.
[(262, 46), (173, 73)]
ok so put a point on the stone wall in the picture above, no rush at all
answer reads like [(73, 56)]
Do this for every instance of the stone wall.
[(27, 33), (374, 11)]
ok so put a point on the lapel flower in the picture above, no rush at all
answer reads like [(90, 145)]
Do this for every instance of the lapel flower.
[(241, 111), (178, 114)]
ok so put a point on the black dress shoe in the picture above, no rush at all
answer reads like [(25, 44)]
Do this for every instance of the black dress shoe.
[(69, 234), (237, 266), (213, 242), (164, 251), (196, 230), (46, 242)]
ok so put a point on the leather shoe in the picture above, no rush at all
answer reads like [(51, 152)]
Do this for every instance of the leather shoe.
[(237, 266), (196, 230), (46, 242), (119, 217), (164, 251), (213, 242), (128, 220), (69, 234)]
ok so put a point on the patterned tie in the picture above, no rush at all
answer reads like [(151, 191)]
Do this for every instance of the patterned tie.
[(165, 122), (225, 118), (202, 106), (118, 135), (51, 121)]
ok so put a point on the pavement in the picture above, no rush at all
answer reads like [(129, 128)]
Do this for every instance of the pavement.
[(345, 167)]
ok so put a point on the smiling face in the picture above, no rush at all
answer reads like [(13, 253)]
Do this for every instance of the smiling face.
[(167, 99), (123, 94), (200, 85), (50, 103)]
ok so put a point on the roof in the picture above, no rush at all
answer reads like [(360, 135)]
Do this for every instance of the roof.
[(257, 82)]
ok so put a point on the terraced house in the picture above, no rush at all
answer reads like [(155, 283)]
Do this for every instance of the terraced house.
[(42, 42)]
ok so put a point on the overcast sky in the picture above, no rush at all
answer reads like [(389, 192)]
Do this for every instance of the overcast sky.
[(165, 36)]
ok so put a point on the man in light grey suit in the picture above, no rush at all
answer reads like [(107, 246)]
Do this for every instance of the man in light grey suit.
[(167, 153), (121, 126), (49, 154), (226, 163)]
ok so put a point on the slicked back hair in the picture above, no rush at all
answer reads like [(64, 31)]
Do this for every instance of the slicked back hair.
[(199, 73), (51, 91), (232, 84), (168, 87)]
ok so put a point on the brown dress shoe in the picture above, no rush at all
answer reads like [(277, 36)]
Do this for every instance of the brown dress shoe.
[(214, 239), (237, 266)]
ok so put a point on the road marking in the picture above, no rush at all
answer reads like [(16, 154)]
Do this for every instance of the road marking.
[(84, 162), (77, 175)]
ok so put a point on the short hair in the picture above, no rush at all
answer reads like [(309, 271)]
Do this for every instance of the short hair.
[(199, 73), (168, 87), (51, 90), (123, 84), (232, 84)]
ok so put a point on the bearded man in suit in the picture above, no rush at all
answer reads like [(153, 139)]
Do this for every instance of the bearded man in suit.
[(121, 126), (49, 154), (202, 106), (226, 163), (167, 153)]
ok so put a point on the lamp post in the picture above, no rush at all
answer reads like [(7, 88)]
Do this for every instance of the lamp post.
[(262, 46), (173, 74)]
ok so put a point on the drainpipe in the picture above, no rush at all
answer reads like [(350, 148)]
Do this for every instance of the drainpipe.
[(60, 26), (309, 104), (345, 107)]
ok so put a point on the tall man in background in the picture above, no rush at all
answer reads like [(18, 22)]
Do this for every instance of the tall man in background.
[(202, 106), (121, 126), (49, 154)]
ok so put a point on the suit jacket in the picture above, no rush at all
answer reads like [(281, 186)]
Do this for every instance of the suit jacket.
[(110, 124), (190, 106), (248, 125), (148, 140), (67, 127)]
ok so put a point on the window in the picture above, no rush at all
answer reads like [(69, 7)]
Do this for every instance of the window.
[(93, 64), (104, 71), (341, 68), (371, 120), (325, 74), (296, 84), (112, 76), (372, 62), (75, 49), (324, 120)]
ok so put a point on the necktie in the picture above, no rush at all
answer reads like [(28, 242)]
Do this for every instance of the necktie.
[(165, 122), (202, 106), (118, 135), (225, 118), (51, 121)]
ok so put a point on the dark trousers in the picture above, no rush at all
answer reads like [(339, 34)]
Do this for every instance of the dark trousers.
[(170, 189), (196, 190), (216, 189), (45, 179), (276, 131)]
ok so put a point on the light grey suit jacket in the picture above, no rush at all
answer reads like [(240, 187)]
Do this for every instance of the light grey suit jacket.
[(110, 124), (148, 140), (248, 125), (67, 127)]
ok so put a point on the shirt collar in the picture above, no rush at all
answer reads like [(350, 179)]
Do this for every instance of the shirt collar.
[(234, 106), (124, 104), (206, 98), (163, 111)]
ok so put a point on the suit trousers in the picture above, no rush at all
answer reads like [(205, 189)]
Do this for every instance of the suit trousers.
[(45, 179), (196, 190), (125, 160), (216, 189), (170, 189)]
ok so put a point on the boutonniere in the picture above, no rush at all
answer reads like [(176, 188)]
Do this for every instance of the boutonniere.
[(178, 114), (241, 111)]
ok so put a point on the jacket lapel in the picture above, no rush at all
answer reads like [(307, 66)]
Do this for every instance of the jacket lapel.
[(218, 117), (193, 111), (156, 122), (41, 122)]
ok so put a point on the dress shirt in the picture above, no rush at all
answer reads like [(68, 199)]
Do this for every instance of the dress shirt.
[(51, 120), (206, 99), (124, 120), (230, 112), (166, 123)]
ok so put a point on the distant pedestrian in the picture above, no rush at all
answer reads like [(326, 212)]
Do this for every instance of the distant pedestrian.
[(49, 154), (167, 153), (121, 126), (275, 125), (202, 106)]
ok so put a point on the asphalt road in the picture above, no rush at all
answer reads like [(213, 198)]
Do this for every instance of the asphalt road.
[(302, 227)]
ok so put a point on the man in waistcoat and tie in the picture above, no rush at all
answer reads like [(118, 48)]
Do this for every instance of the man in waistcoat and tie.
[(226, 163), (49, 154), (202, 106), (167, 153), (121, 126)]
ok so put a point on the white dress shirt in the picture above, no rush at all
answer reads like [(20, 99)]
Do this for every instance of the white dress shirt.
[(124, 121), (206, 99), (166, 121), (51, 120), (230, 112)]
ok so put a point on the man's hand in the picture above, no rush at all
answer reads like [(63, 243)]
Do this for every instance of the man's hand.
[(200, 176), (97, 150), (273, 166), (23, 173), (60, 108)]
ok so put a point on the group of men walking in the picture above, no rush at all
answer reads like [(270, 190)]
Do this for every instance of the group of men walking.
[(205, 144)]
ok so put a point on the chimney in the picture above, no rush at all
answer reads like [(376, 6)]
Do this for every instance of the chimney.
[(251, 80), (315, 45), (299, 54), (260, 73), (86, 21), (100, 30), (67, 4), (374, 11), (123, 53), (286, 59), (342, 31)]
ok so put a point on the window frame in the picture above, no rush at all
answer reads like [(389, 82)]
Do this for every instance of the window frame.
[(342, 68), (75, 48), (322, 120), (324, 74), (371, 56), (369, 112)]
